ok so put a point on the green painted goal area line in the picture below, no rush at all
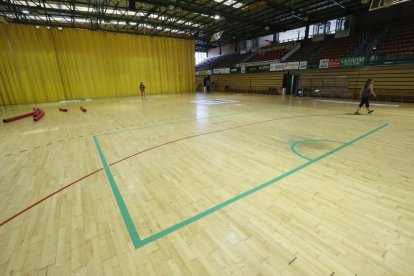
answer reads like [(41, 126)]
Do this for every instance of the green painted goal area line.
[(293, 146), (132, 230)]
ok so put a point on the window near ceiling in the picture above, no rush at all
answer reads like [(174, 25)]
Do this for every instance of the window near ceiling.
[(233, 3), (292, 35), (200, 56)]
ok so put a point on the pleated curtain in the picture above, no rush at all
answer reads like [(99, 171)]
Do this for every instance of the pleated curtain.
[(47, 65)]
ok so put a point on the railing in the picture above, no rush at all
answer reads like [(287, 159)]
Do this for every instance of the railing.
[(291, 40), (395, 58)]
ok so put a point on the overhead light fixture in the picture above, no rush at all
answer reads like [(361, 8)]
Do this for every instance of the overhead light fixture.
[(37, 27), (217, 17), (48, 27), (266, 28), (25, 11), (60, 28)]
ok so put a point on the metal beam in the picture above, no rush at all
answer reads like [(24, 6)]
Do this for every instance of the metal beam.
[(204, 10), (69, 13)]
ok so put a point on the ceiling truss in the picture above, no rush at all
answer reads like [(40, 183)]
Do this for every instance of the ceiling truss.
[(186, 19)]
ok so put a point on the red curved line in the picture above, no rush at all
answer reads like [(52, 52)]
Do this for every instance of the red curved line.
[(188, 137), (43, 199), (123, 159)]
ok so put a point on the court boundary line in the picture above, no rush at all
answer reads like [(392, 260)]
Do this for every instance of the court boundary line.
[(138, 242), (152, 126), (133, 233), (223, 115), (100, 169)]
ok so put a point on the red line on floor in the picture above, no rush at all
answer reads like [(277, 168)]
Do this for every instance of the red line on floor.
[(188, 137), (123, 159), (43, 199)]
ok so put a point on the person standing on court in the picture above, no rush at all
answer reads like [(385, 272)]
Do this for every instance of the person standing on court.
[(208, 83), (142, 89), (205, 85), (367, 90)]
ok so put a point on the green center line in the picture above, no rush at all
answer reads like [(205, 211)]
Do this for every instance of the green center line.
[(130, 225), (293, 146)]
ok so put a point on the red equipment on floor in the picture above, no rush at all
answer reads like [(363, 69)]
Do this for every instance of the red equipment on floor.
[(39, 115), (18, 117)]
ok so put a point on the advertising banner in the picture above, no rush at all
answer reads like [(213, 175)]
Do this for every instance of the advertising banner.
[(303, 65), (204, 72), (292, 65), (277, 67), (220, 71), (257, 69), (352, 61), (235, 70), (323, 63), (334, 62)]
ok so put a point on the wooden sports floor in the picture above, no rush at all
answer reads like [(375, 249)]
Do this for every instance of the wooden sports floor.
[(217, 184)]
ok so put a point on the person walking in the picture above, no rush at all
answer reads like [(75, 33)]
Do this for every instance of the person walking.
[(367, 90)]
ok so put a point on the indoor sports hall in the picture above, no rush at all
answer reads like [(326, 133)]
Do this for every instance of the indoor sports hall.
[(196, 137)]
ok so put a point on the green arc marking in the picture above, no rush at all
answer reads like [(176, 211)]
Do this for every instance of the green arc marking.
[(130, 225), (293, 146)]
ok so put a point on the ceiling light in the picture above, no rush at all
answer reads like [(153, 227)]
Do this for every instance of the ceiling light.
[(217, 17), (25, 11), (60, 28)]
